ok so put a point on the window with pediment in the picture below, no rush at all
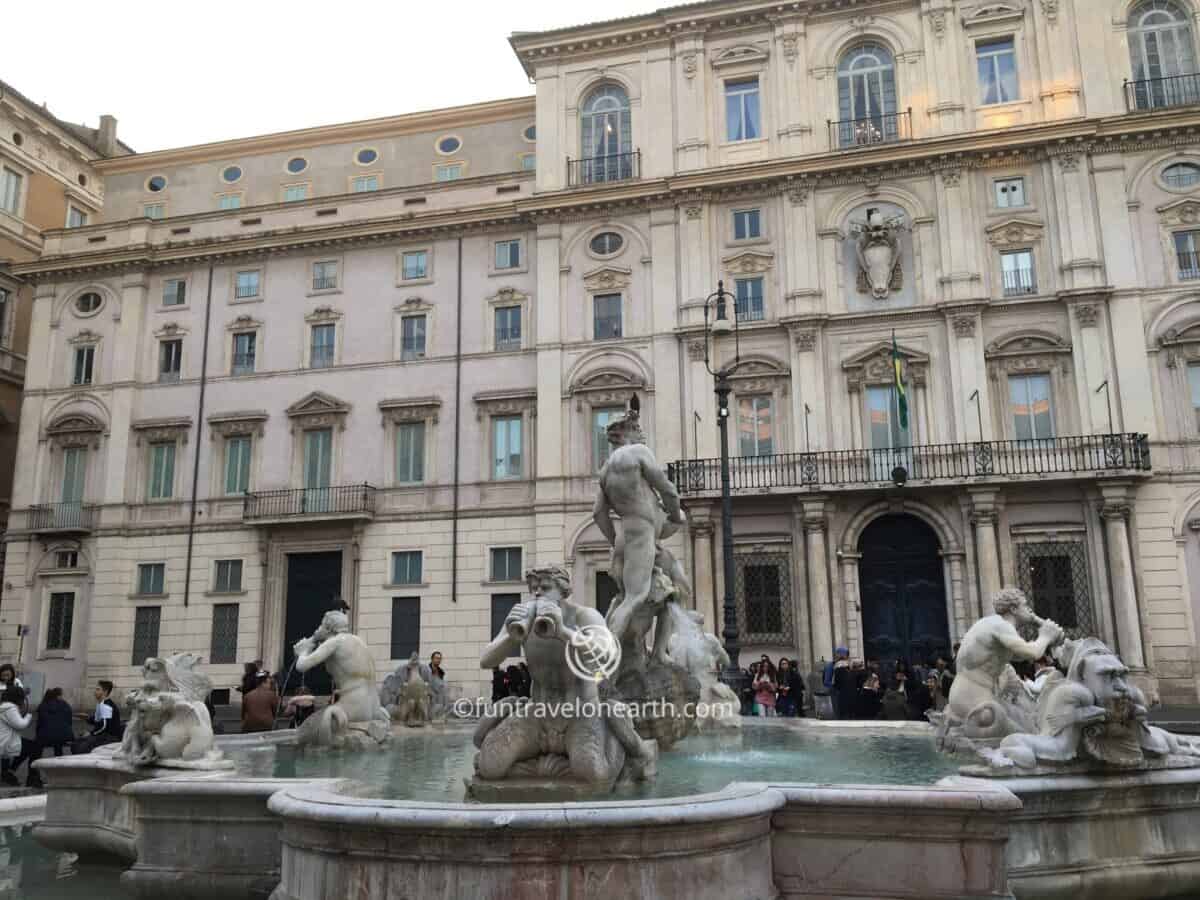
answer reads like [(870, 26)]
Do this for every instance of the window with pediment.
[(1031, 393), (1181, 344)]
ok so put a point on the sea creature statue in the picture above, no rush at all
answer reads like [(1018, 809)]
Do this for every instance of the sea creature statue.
[(355, 720), (701, 653), (407, 694), (651, 582), (877, 248), (169, 724), (560, 739)]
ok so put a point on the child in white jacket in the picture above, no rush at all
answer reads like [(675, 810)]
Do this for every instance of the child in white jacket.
[(14, 749)]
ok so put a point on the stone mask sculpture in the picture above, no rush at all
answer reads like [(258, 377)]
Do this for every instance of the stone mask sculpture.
[(407, 694), (169, 724), (355, 720), (877, 248)]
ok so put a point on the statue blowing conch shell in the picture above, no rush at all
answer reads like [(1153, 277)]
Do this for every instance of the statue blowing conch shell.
[(1084, 715)]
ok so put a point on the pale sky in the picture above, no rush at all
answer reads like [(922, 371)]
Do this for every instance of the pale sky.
[(186, 72)]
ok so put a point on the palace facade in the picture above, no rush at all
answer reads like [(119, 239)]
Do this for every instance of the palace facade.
[(373, 362)]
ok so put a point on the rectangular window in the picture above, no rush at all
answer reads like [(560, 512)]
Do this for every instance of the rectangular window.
[(363, 184), (601, 418), (502, 605), (1010, 192), (294, 192), (162, 471), (10, 190), (1187, 250), (508, 254), (750, 306), (762, 590), (59, 620), (151, 578), (1194, 384), (237, 464), (997, 61), (321, 356), (886, 432), (245, 352), (606, 316), (1033, 417), (406, 567), (414, 265), (449, 172), (318, 458), (247, 284), (1016, 270), (529, 162), (406, 626), (66, 559), (412, 337), (76, 218), (508, 328), (410, 452), (229, 201), (506, 447), (154, 210), (742, 110), (224, 643), (170, 360), (174, 292), (747, 224), (1054, 576), (756, 426), (506, 564), (74, 472), (228, 578), (146, 621), (85, 358), (325, 275)]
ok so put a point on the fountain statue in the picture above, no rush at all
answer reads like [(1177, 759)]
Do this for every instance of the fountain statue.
[(561, 740), (169, 725), (701, 653), (1083, 717), (651, 583), (878, 251), (407, 693), (355, 720)]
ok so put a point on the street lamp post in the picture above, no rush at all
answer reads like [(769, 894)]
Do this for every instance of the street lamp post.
[(723, 305)]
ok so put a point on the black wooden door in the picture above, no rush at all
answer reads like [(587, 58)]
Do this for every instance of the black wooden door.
[(314, 586), (902, 591)]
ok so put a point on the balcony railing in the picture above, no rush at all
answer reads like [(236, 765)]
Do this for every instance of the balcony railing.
[(324, 282), (62, 517), (847, 134), (1018, 282), (1189, 264), (341, 501), (599, 169), (1085, 455), (1161, 93)]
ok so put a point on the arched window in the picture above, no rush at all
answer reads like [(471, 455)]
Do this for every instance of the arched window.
[(867, 96), (1162, 56), (606, 136)]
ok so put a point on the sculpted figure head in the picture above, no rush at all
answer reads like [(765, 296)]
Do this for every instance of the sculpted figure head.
[(626, 430), (334, 622), (1101, 671), (551, 583), (1013, 602)]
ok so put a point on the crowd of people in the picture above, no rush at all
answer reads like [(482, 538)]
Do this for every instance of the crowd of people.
[(774, 690), (867, 689), (511, 682)]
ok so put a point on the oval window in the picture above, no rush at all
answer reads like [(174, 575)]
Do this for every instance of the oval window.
[(18, 139), (88, 303), (530, 133), (607, 243), (231, 174), (82, 179), (449, 144), (297, 164), (1181, 175), (156, 183), (366, 156)]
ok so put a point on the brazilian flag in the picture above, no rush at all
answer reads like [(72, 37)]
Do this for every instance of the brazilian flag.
[(901, 396)]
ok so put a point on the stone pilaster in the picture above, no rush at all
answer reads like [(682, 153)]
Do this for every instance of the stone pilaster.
[(1115, 513), (819, 597), (984, 516)]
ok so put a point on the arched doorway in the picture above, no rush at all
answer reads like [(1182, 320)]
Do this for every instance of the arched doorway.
[(902, 590)]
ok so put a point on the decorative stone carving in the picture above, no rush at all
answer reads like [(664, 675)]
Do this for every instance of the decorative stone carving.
[(696, 350), (169, 725), (805, 341), (964, 326), (502, 403), (791, 48), (1181, 346), (874, 366), (701, 654), (356, 720), (407, 693), (1087, 315), (607, 387), (1028, 351), (1184, 211), (318, 410), (607, 278), (1050, 8), (693, 212), (798, 196), (748, 262), (1069, 162), (1014, 233), (937, 22), (85, 336), (740, 55), (760, 376), (556, 754), (416, 409), (323, 314), (878, 250), (951, 177), (75, 430), (164, 429), (689, 65), (250, 422), (244, 323)]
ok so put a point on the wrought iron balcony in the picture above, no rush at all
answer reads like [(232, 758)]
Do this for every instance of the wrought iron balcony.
[(892, 128), (348, 501), (599, 169), (62, 518), (1189, 265), (1060, 457), (1161, 93), (1019, 282)]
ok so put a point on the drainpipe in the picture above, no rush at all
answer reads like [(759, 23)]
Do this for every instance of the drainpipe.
[(191, 534), (457, 431)]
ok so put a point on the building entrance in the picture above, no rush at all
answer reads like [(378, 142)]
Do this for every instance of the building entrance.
[(314, 586)]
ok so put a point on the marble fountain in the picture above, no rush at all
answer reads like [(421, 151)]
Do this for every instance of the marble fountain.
[(628, 773)]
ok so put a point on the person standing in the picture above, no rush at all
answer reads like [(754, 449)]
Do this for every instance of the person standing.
[(54, 730), (437, 686), (260, 705), (14, 749), (764, 690), (105, 722)]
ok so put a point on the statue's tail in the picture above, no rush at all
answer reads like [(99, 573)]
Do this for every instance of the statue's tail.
[(324, 728)]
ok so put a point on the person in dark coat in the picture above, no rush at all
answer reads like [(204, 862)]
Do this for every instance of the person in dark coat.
[(55, 729), (847, 680), (790, 699), (870, 697)]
